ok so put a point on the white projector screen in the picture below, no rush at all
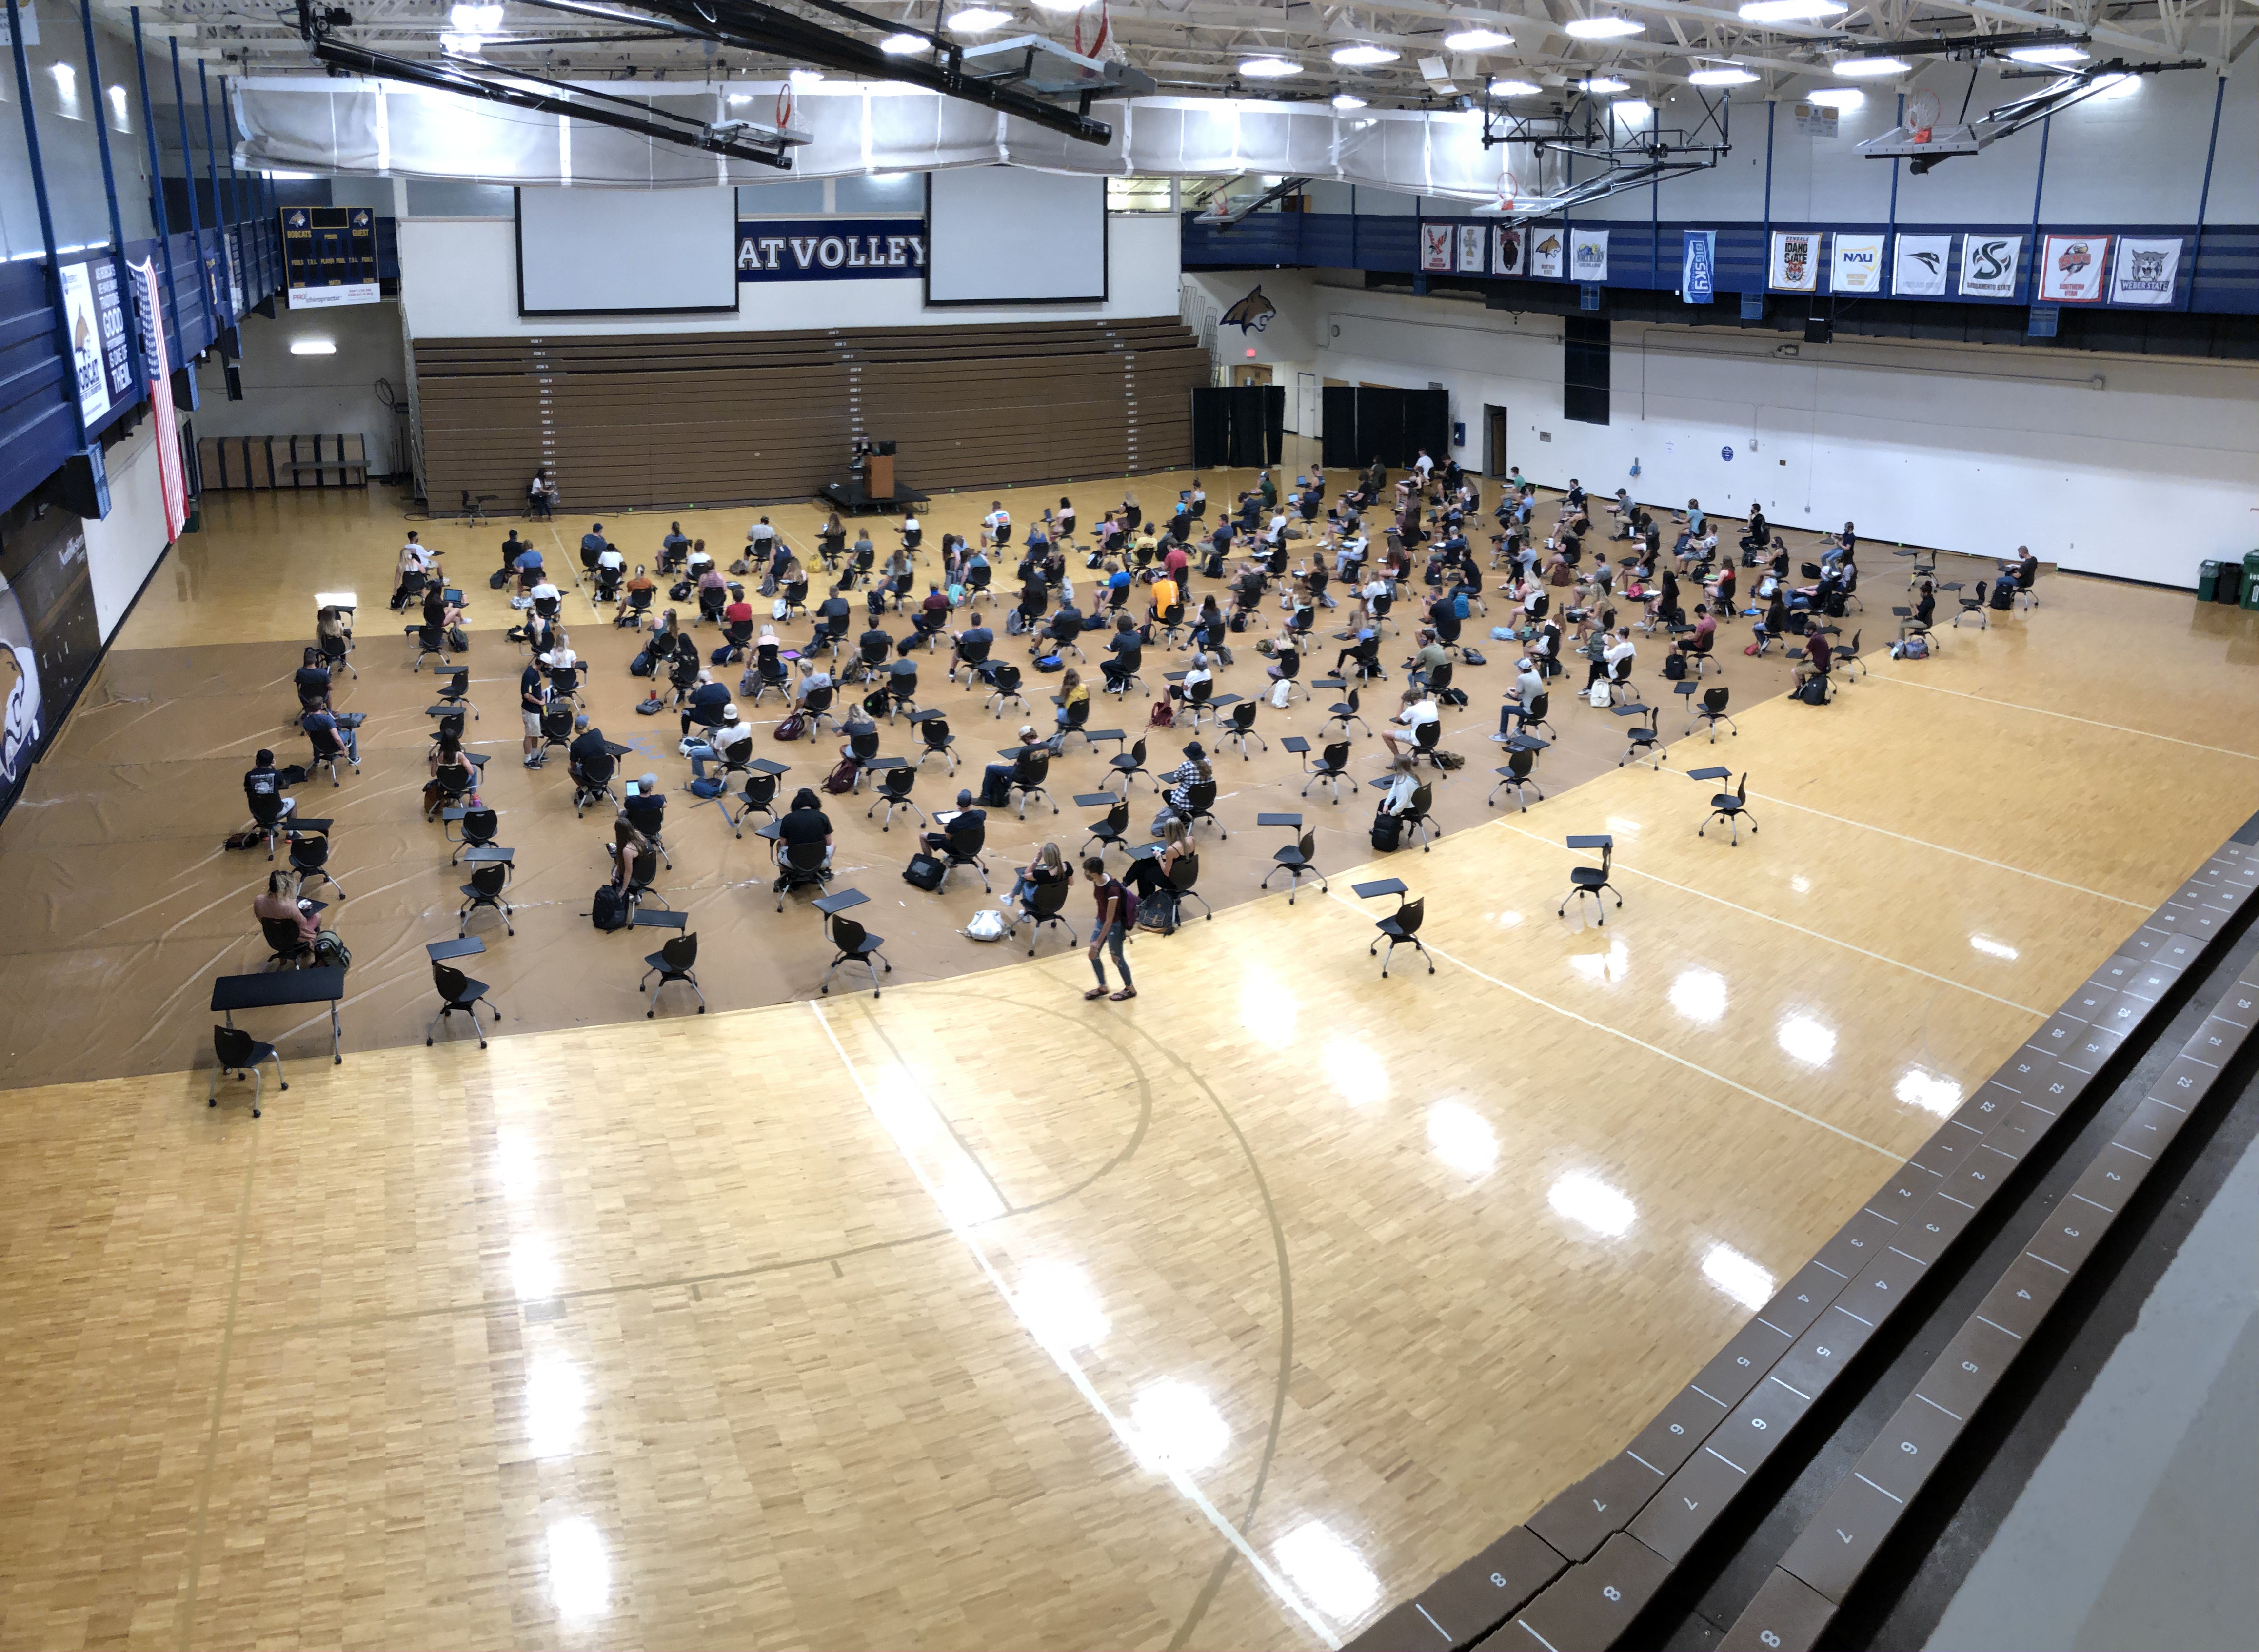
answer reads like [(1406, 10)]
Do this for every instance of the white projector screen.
[(1007, 235), (626, 251)]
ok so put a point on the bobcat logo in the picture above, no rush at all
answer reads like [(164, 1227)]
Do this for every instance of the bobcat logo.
[(2148, 267), (1550, 247), (2076, 257), (1250, 314)]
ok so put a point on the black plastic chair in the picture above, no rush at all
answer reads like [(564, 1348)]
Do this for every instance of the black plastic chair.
[(1592, 881), (759, 795), (479, 827), (1711, 711), (894, 792), (1240, 727), (855, 944), (1294, 860), (1533, 714), (1401, 928), (1127, 765), (286, 947), (238, 1052), (1974, 604), (1332, 765), (459, 992), (1043, 906), (485, 890), (1645, 739), (1416, 817), (961, 851), (310, 858), (431, 643), (1004, 685), (1847, 656), (458, 693), (267, 818), (935, 732), (800, 867), (1181, 878), (1516, 773), (1345, 712), (1200, 798), (336, 651), (671, 963), (1110, 833), (1078, 721), (1028, 775), (1733, 809)]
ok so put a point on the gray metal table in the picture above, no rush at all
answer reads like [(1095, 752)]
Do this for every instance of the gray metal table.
[(279, 987)]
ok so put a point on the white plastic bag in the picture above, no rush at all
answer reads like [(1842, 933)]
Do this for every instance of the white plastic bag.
[(1280, 691), (1598, 695), (987, 925)]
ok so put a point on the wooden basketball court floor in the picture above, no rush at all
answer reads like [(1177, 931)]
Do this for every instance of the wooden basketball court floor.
[(977, 1315)]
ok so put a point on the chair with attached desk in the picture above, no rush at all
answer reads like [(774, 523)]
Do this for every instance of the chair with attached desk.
[(893, 791), (800, 867), (1199, 700), (1730, 807), (1344, 712), (672, 962), (1846, 656), (816, 709), (592, 782), (1127, 765), (1044, 905), (1003, 681), (1111, 832), (758, 797), (1078, 721), (1416, 817), (336, 651), (310, 858), (636, 609), (459, 992), (647, 812), (336, 752), (431, 643), (1031, 768), (1199, 805), (479, 827), (960, 849), (1646, 741), (1712, 712), (1972, 603), (238, 1053), (1592, 881), (933, 730), (489, 879), (770, 677), (1180, 878), (1296, 860), (1332, 765), (852, 944)]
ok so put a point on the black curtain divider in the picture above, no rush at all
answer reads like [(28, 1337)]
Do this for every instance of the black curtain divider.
[(1337, 420), (1585, 369), (1274, 424), (1211, 426), (1247, 424), (1365, 422), (1242, 425)]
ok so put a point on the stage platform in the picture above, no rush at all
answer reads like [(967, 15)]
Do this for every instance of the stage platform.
[(849, 497)]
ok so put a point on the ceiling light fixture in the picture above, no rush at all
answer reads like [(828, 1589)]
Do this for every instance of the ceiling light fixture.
[(1603, 84), (1346, 100), (1859, 68), (313, 347), (1504, 88), (978, 19), (1602, 28), (803, 78), (1267, 68), (1476, 40), (1791, 10), (474, 20), (1837, 98), (904, 45), (1632, 110), (460, 45), (1728, 74), (1364, 55), (2055, 56)]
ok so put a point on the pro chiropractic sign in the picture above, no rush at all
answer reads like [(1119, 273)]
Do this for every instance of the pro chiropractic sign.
[(831, 249)]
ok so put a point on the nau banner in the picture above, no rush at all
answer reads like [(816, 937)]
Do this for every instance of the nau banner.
[(1917, 270), (1435, 243), (2145, 269), (831, 249), (1507, 246), (1858, 265), (1697, 266), (1795, 262), (1988, 265), (2073, 268)]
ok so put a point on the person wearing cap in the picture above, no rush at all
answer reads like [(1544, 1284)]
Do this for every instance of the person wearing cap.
[(587, 744), (1177, 785), (961, 830), (996, 779), (717, 742)]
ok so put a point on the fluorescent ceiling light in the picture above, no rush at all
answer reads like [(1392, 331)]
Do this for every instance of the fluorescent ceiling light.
[(1515, 88), (1267, 68), (1836, 98), (1859, 67), (2065, 53), (461, 44), (1060, 5), (1634, 110), (800, 77), (904, 45), (1364, 55), (1604, 83), (1729, 75), (1476, 40), (474, 20), (290, 177), (1344, 100), (974, 19), (1602, 28), (313, 347), (1791, 10), (2109, 85)]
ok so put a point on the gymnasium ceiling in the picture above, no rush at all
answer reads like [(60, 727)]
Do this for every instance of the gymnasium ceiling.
[(1196, 47)]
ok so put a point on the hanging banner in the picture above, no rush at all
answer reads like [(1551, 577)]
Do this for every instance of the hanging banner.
[(117, 345), (1474, 248), (1918, 269), (1507, 249), (833, 249), (1697, 266), (1545, 259), (1436, 241), (2073, 268), (1988, 265), (1858, 264), (1794, 266), (144, 276), (1588, 255), (2145, 269), (84, 324)]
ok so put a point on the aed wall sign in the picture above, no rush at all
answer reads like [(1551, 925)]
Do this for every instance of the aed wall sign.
[(831, 249)]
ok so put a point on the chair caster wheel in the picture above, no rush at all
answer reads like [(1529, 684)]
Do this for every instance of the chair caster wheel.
[(427, 1043), (256, 1113), (702, 1009), (213, 1100)]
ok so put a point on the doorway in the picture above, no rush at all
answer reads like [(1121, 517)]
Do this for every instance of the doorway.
[(1251, 375), (1493, 440)]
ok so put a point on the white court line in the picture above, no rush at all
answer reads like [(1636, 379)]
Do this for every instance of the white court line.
[(2091, 722), (1655, 1050), (1073, 1368), (1815, 934), (1943, 849)]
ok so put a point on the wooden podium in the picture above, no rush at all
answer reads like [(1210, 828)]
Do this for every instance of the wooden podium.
[(879, 475)]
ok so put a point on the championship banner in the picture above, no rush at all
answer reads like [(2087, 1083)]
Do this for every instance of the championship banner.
[(2145, 270), (1918, 269), (1507, 247), (1988, 265), (170, 482), (1588, 255), (1697, 266), (1794, 266), (2073, 268), (1436, 242), (1474, 248), (1858, 264)]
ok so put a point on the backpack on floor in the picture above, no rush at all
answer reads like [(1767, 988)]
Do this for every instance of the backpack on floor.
[(245, 840), (923, 873), (1162, 716), (678, 592), (792, 727), (841, 780), (1814, 691), (1388, 833), (1156, 913), (649, 708), (1675, 668), (458, 640), (609, 911), (330, 951), (499, 578), (706, 788), (640, 666), (1598, 695)]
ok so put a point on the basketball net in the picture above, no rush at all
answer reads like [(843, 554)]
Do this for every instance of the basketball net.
[(1102, 32)]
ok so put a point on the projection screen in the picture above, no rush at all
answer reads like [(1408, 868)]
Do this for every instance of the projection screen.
[(626, 251), (1008, 235)]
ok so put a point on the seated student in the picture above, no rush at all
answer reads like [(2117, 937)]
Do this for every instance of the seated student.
[(718, 740), (530, 571), (1925, 609), (414, 566), (1432, 653), (511, 549), (1210, 627), (646, 808), (1705, 631), (804, 822), (540, 498), (331, 738), (1620, 652), (961, 830), (667, 641), (1048, 867), (438, 611), (973, 643), (674, 547), (1164, 595), (312, 679), (1403, 782), (996, 526), (1815, 663), (1071, 694), (452, 775), (263, 780), (629, 848), (592, 544), (1529, 684), (1774, 624), (832, 618), (736, 611), (1125, 652), (1365, 634), (1418, 707), (997, 778), (1721, 591), (698, 563), (587, 745), (640, 581), (1151, 874), (705, 704), (1845, 545), (333, 626), (2028, 568), (1198, 671), (1177, 786), (278, 904), (1063, 626)]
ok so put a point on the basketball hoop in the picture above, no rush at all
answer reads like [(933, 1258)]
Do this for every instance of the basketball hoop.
[(784, 106), (1923, 111)]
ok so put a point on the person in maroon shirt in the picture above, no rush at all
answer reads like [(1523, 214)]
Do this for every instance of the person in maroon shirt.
[(1115, 915), (1178, 563), (738, 611)]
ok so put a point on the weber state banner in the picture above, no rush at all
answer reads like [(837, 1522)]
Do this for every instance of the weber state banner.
[(831, 249)]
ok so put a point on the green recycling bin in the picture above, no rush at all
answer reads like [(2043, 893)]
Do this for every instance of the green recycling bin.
[(2251, 580), (2207, 581)]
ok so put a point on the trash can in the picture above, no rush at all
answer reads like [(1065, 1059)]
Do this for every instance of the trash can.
[(2231, 583), (2251, 578), (2207, 581)]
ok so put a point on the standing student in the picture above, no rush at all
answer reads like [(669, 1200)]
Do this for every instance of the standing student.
[(1111, 930)]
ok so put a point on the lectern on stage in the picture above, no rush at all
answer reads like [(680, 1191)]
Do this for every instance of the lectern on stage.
[(872, 484)]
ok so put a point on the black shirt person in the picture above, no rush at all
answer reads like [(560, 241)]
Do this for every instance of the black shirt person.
[(963, 829), (805, 823), (264, 780)]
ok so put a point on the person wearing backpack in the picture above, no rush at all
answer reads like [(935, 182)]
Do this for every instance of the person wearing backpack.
[(1116, 914)]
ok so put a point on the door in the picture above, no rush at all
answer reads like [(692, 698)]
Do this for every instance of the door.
[(1251, 375), (1781, 444), (1306, 415), (1493, 440)]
